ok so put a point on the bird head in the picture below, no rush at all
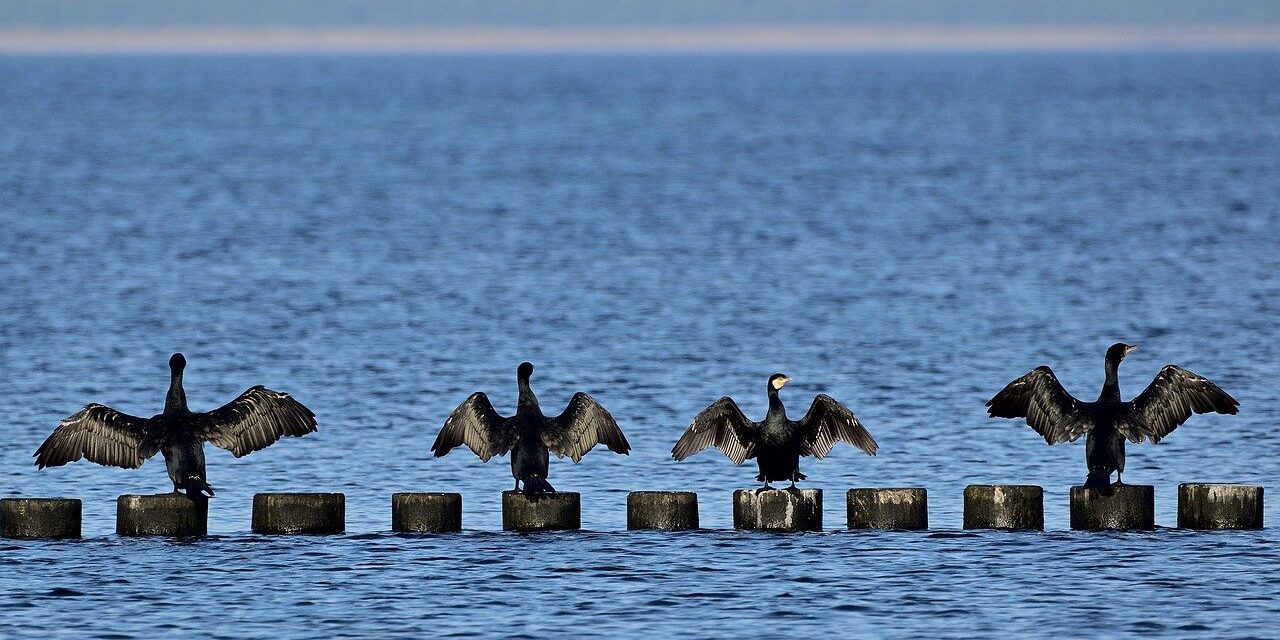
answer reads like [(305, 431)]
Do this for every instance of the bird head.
[(777, 381), (177, 362), (525, 370), (1119, 350)]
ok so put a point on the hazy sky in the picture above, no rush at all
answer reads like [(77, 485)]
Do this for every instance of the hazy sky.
[(146, 13)]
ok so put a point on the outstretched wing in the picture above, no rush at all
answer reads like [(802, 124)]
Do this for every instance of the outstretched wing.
[(1170, 400), (253, 421), (722, 425), (583, 424), (1048, 408), (476, 424), (102, 435), (828, 422)]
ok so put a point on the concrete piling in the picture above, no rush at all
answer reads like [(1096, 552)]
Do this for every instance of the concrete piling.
[(663, 510), (557, 511), (777, 509), (165, 514), (901, 508), (426, 512), (1119, 507), (1219, 506), (294, 513), (1004, 506), (35, 518)]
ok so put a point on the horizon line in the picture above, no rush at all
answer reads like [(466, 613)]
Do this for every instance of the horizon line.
[(745, 38)]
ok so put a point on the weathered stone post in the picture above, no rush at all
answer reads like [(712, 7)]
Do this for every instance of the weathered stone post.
[(1219, 506), (665, 510), (1125, 506), (35, 518), (309, 513), (164, 514), (426, 512), (902, 509), (557, 511), (777, 509), (1003, 506)]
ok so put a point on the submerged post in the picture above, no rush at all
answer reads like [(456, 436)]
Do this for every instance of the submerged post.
[(556, 511), (307, 513), (1120, 507), (777, 509), (900, 509), (1219, 506), (663, 510), (165, 514), (1004, 506), (35, 518), (426, 512)]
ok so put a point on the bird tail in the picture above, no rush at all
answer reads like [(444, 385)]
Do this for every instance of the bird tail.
[(1098, 479), (198, 487), (535, 484)]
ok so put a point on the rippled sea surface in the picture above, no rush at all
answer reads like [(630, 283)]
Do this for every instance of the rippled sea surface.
[(382, 236)]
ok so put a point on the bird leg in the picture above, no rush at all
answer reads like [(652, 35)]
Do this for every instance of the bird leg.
[(1118, 480), (517, 484)]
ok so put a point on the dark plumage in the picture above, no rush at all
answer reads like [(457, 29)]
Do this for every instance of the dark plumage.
[(529, 435), (776, 443), (1167, 402), (103, 435)]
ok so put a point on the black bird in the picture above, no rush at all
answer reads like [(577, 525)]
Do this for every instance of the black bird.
[(1168, 401), (529, 435), (776, 443), (103, 435)]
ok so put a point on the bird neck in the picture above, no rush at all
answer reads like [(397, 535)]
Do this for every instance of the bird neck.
[(775, 404), (1111, 387), (176, 399), (527, 400)]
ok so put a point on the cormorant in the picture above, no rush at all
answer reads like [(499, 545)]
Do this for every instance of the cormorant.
[(529, 435), (103, 435), (1167, 402), (776, 442)]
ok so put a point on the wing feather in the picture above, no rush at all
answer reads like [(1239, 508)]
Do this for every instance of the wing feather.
[(254, 420), (476, 424), (723, 426), (1048, 408), (99, 434), (1171, 399), (583, 424), (828, 422)]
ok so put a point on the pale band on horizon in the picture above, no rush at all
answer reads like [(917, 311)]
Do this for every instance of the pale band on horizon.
[(654, 39)]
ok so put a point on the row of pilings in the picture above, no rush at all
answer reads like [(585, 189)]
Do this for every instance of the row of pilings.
[(1005, 507)]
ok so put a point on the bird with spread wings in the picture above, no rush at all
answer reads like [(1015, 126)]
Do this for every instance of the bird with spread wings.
[(776, 443), (254, 420), (1170, 400), (529, 435)]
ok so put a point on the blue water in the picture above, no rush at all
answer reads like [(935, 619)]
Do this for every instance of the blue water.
[(382, 236)]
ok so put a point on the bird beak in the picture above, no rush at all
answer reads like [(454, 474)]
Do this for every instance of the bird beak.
[(1130, 348), (783, 382)]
